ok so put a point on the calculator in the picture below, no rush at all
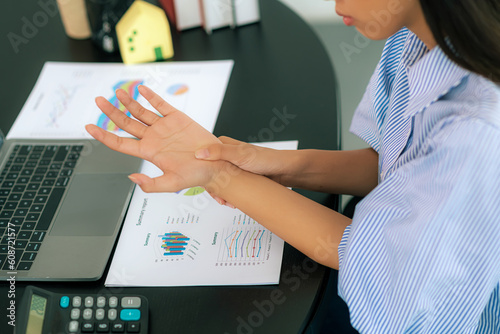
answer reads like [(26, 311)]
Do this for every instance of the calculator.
[(45, 312)]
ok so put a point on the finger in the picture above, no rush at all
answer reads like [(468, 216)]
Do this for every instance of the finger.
[(124, 122), (144, 115), (230, 141), (221, 201), (217, 198), (164, 183), (124, 145), (156, 101)]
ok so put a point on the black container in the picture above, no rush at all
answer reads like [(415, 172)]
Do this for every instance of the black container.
[(103, 17)]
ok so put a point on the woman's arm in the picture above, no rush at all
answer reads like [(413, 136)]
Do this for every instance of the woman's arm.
[(336, 172), (169, 141), (312, 228)]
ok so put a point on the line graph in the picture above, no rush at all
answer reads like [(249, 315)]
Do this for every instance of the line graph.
[(244, 245)]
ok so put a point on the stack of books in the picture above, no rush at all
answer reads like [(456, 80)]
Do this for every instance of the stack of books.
[(211, 14)]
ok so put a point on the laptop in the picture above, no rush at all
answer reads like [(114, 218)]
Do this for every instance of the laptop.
[(62, 203)]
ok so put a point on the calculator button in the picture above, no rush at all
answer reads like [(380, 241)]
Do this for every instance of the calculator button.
[(89, 301), (73, 327), (130, 315), (101, 301), (112, 313), (99, 314), (75, 314), (113, 302), (118, 327), (87, 314), (102, 327), (133, 327), (131, 302), (64, 302), (77, 301), (88, 327)]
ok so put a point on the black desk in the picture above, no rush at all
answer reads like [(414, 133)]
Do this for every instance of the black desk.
[(279, 64)]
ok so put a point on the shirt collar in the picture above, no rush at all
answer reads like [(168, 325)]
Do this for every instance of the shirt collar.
[(431, 77)]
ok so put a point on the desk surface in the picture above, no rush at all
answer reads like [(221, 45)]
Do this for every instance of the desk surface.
[(279, 64)]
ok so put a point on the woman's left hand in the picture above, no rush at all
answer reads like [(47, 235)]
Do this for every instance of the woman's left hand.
[(168, 141)]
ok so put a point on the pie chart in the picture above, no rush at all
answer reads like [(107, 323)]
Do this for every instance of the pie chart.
[(177, 89)]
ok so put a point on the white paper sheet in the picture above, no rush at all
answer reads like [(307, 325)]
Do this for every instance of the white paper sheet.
[(62, 101), (187, 238)]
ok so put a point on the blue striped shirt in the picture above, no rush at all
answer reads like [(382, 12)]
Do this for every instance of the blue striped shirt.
[(422, 254)]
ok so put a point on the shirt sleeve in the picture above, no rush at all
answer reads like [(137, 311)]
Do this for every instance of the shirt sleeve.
[(422, 254)]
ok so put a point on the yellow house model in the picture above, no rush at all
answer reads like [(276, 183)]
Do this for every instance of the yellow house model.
[(144, 34)]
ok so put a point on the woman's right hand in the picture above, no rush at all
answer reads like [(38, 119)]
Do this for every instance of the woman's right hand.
[(252, 158)]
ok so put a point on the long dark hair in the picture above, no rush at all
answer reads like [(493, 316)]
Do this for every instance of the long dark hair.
[(468, 31)]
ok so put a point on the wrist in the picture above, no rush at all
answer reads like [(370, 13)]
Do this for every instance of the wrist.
[(293, 164), (221, 176)]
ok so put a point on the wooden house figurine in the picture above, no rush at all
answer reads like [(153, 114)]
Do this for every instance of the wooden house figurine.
[(144, 34)]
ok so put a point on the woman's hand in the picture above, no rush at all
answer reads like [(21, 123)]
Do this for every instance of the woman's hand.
[(168, 141), (252, 158)]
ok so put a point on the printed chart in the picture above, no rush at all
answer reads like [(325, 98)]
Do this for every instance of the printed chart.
[(244, 246), (131, 87), (191, 191), (186, 238), (175, 246), (63, 95), (188, 218), (62, 101)]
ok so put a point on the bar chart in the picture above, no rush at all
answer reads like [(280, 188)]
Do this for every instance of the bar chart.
[(176, 246)]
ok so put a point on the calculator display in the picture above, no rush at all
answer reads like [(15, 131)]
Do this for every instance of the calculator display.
[(36, 314)]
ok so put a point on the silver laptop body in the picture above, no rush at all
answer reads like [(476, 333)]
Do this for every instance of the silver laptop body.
[(80, 237)]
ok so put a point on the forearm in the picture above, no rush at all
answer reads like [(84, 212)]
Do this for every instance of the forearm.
[(338, 172), (308, 226)]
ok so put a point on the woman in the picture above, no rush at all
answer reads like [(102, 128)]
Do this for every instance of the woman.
[(422, 253)]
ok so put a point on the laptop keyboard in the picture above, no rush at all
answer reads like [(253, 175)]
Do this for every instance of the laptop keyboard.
[(32, 184)]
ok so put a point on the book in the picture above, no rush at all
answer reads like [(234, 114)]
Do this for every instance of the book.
[(217, 14), (245, 11), (184, 14), (211, 14)]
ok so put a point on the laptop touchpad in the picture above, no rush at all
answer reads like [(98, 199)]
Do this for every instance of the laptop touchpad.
[(93, 205)]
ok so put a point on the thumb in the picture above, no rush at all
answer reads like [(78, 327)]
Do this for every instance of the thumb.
[(227, 152), (162, 183), (229, 140)]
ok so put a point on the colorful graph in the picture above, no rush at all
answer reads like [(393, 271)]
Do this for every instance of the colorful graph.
[(174, 244), (177, 89), (249, 244), (191, 191), (130, 86)]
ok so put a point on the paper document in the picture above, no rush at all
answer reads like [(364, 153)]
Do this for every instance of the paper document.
[(187, 238), (62, 101)]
